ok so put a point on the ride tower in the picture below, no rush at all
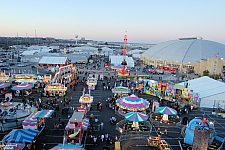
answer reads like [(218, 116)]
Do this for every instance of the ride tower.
[(124, 62)]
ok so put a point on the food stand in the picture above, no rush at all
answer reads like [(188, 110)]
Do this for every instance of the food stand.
[(120, 90), (55, 89), (74, 127), (23, 89), (91, 82), (47, 78), (25, 78), (36, 120), (3, 88), (4, 78)]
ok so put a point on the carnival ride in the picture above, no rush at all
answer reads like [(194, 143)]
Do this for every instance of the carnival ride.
[(91, 82), (65, 74), (201, 128)]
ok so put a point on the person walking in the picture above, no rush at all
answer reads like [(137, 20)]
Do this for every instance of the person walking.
[(102, 125), (102, 137)]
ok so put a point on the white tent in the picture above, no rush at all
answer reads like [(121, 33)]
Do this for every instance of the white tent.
[(210, 91), (115, 60), (53, 60)]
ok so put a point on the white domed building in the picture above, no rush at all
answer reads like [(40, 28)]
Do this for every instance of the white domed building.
[(187, 53)]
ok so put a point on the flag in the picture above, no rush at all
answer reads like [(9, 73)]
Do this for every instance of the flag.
[(217, 55)]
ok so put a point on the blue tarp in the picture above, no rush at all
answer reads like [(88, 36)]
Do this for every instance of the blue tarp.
[(67, 146), (20, 136)]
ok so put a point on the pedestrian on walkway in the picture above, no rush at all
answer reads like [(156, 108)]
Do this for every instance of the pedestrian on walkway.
[(102, 125), (102, 137), (95, 140), (55, 126)]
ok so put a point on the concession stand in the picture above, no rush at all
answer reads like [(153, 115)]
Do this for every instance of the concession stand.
[(3, 88), (25, 78), (36, 120), (55, 89), (23, 89), (4, 78), (120, 90), (74, 128)]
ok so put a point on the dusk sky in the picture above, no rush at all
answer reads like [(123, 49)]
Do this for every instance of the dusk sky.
[(145, 21)]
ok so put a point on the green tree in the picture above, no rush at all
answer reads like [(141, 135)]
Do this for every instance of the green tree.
[(206, 73)]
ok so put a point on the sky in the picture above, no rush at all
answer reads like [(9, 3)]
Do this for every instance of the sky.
[(146, 21)]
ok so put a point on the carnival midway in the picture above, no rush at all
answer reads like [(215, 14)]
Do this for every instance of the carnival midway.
[(80, 109)]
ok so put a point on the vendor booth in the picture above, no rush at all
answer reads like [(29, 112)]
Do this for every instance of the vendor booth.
[(120, 90), (36, 120), (25, 78), (91, 82), (4, 78), (20, 136), (55, 89), (3, 88), (74, 128), (86, 99), (23, 89)]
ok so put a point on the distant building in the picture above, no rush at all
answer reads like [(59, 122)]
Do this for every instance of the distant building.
[(187, 53)]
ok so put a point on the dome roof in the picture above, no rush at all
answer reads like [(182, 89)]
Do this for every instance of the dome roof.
[(186, 50)]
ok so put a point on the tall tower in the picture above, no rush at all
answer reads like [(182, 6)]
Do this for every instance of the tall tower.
[(76, 36), (124, 62)]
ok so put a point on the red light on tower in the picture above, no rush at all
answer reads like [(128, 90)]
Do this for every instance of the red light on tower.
[(125, 45), (124, 50)]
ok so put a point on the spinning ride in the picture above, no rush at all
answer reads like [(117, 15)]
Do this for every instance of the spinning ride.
[(132, 103)]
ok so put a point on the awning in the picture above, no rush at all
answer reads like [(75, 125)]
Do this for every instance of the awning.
[(44, 114), (23, 87), (67, 147), (20, 136), (85, 124), (26, 81), (4, 85)]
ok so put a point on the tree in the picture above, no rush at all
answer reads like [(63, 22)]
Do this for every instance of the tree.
[(206, 73)]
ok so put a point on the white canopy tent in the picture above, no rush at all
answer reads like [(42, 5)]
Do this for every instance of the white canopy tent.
[(115, 60), (53, 60), (211, 92)]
